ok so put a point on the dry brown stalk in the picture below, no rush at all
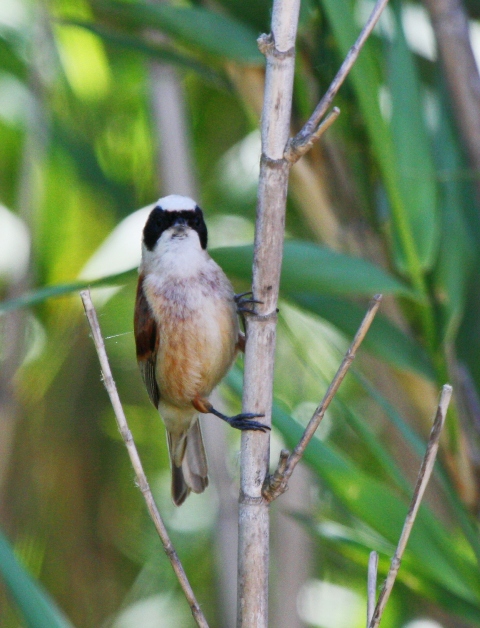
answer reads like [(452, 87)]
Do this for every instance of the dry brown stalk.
[(136, 462), (423, 477)]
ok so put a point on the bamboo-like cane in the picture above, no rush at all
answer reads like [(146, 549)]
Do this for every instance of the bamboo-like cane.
[(278, 154), (253, 541)]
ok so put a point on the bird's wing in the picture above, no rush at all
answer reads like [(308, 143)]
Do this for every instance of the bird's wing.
[(146, 340)]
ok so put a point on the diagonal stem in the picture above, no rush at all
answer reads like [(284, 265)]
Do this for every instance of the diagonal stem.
[(136, 462), (312, 124), (277, 484), (424, 474), (295, 149)]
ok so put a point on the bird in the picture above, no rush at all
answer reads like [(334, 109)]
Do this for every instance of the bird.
[(187, 334)]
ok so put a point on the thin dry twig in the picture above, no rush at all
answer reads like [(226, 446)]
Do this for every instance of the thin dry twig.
[(135, 460), (295, 151), (277, 484), (422, 481), (371, 585), (310, 132)]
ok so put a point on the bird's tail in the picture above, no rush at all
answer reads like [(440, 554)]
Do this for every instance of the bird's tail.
[(189, 463)]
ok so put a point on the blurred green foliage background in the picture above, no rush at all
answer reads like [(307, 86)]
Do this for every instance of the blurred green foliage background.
[(105, 107)]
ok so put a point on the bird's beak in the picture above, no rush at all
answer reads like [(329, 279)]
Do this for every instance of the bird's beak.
[(180, 226)]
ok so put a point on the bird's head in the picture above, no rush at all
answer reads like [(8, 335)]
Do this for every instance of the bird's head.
[(175, 219)]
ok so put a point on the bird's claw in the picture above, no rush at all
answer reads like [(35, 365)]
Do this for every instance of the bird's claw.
[(239, 297), (246, 310), (244, 422), (243, 303)]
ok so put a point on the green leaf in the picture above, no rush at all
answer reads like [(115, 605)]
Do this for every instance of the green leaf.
[(375, 448), (10, 61), (311, 268), (456, 255), (157, 51), (36, 606), (453, 269), (384, 339), (416, 444), (368, 82), (196, 27), (379, 507), (356, 545), (256, 13), (86, 162), (58, 290), (319, 270), (416, 170), (431, 551)]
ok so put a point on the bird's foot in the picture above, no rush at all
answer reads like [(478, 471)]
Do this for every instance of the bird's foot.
[(242, 421), (245, 422), (245, 306)]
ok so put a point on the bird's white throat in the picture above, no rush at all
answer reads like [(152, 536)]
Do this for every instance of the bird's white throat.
[(178, 256)]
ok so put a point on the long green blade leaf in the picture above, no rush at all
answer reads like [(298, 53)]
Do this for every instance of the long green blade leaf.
[(156, 51), (311, 268), (59, 290), (383, 339), (378, 506), (430, 548), (204, 30), (414, 238), (36, 606), (414, 159), (307, 267)]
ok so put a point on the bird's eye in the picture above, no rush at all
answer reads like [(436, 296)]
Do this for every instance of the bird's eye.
[(195, 221)]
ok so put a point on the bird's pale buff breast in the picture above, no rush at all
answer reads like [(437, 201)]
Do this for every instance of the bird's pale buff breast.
[(198, 330)]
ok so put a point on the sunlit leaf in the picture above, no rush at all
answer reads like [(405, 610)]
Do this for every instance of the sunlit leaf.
[(356, 545), (158, 51), (376, 504), (86, 163), (383, 510), (383, 339), (417, 446)]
